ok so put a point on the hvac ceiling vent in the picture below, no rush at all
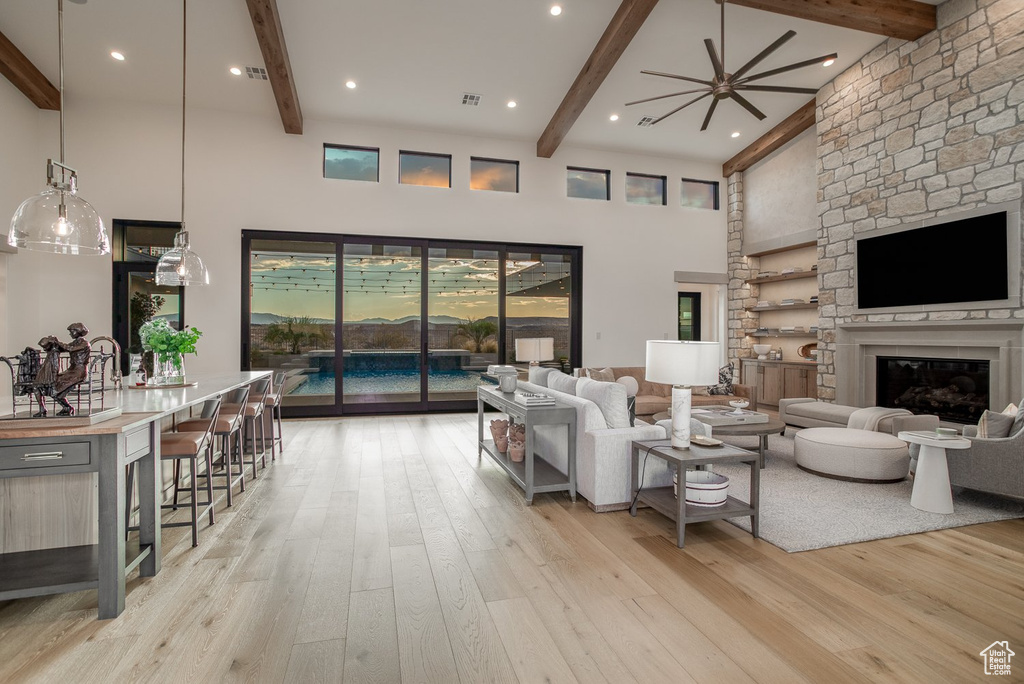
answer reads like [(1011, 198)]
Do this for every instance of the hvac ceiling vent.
[(256, 73), (645, 121), (471, 99)]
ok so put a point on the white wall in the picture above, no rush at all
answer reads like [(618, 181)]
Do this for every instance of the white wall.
[(779, 192), (245, 173), (21, 174)]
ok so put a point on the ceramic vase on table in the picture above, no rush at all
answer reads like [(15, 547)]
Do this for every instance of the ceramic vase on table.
[(516, 450), (499, 432), (517, 432)]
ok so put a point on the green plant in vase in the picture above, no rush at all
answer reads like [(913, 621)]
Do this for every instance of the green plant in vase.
[(169, 347)]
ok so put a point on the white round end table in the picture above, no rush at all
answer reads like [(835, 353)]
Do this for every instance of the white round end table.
[(932, 492)]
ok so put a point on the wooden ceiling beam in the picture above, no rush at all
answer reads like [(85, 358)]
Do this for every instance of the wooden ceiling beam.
[(266, 20), (906, 19), (795, 124), (26, 77), (628, 19)]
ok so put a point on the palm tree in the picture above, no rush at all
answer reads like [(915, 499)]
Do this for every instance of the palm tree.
[(296, 332), (476, 332)]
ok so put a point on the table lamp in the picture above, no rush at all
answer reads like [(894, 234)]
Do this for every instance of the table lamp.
[(535, 349), (682, 364)]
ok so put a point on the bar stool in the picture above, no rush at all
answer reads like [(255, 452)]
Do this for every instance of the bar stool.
[(191, 446), (227, 426), (274, 399), (252, 411)]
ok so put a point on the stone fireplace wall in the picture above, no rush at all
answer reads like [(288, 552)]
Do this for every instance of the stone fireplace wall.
[(913, 131)]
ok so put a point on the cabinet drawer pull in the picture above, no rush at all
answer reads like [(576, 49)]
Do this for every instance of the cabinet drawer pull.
[(45, 456)]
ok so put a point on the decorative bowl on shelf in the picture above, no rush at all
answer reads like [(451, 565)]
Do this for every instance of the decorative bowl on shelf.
[(808, 351), (739, 405), (762, 351)]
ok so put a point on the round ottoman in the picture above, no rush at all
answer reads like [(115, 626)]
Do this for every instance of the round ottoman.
[(853, 455)]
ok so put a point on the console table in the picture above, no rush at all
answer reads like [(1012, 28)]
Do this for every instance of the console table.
[(534, 475), (663, 500)]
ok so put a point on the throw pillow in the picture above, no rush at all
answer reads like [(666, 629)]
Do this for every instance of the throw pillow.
[(610, 397), (724, 385), (562, 382), (601, 374), (700, 390), (993, 424)]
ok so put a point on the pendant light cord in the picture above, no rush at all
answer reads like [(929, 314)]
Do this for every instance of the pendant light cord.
[(60, 52), (184, 64), (723, 35)]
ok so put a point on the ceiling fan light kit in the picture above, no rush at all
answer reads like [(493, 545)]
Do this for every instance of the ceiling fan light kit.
[(725, 85)]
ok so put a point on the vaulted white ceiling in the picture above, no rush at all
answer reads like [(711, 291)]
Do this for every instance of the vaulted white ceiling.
[(413, 60)]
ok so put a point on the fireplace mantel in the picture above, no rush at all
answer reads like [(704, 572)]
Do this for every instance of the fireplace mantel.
[(1000, 342)]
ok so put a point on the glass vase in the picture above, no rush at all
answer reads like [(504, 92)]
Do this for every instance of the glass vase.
[(170, 370)]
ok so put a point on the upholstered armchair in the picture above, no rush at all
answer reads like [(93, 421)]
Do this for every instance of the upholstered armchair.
[(994, 465)]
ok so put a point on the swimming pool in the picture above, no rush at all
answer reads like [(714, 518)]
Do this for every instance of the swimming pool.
[(389, 382)]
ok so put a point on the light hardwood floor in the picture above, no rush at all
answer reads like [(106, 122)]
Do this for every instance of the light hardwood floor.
[(381, 550)]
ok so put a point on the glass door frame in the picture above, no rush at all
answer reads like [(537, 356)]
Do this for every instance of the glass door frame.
[(424, 244)]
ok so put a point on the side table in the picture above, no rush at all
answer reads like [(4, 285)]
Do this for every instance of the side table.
[(534, 475), (665, 502), (931, 491)]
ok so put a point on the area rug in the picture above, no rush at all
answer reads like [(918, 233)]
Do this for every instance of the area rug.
[(801, 511)]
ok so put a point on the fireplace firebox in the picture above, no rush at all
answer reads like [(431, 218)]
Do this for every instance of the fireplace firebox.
[(956, 390)]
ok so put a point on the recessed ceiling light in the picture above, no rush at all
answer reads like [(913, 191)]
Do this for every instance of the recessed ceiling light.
[(735, 134), (512, 104), (236, 71), (350, 84), (117, 55), (556, 10), (613, 117), (828, 62)]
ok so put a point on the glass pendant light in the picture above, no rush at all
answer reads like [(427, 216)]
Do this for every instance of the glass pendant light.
[(58, 220), (180, 266)]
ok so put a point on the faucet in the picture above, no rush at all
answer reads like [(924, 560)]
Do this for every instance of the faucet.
[(115, 370)]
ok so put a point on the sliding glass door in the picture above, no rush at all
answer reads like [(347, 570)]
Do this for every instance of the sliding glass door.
[(418, 321)]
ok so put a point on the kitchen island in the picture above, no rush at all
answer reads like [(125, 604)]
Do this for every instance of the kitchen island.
[(52, 566)]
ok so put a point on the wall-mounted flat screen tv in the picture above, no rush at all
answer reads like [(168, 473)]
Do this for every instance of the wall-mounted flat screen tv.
[(959, 261)]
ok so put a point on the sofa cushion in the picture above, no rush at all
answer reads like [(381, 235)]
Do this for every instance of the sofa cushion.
[(538, 375), (601, 374), (995, 425), (821, 410), (648, 405), (610, 397), (562, 382)]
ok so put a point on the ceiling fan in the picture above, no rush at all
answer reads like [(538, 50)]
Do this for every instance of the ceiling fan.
[(725, 85)]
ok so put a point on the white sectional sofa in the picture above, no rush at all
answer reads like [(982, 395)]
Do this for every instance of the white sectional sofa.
[(603, 438)]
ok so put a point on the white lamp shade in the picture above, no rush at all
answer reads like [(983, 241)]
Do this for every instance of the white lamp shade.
[(683, 363), (38, 225), (535, 349)]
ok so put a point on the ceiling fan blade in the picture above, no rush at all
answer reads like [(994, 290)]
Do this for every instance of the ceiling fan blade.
[(711, 111), (715, 61), (681, 78), (781, 70), (662, 97), (764, 53), (677, 109), (743, 102), (777, 89)]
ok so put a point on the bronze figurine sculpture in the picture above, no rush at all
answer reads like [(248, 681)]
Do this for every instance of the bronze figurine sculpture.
[(49, 382)]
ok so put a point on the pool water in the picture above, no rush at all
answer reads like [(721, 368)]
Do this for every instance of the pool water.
[(390, 382)]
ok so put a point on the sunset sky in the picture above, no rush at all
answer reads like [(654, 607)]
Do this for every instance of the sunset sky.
[(389, 287)]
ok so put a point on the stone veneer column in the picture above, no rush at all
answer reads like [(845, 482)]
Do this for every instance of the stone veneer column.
[(912, 131), (741, 294)]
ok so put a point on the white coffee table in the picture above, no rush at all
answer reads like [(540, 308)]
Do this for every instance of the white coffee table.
[(932, 492)]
